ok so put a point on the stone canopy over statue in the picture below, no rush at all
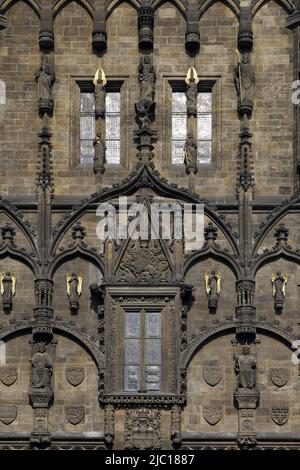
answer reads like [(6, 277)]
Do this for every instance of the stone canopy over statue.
[(245, 368)]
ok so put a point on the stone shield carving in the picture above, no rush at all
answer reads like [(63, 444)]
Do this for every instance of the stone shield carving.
[(280, 414), (74, 414), (212, 375), (8, 413), (142, 429), (212, 414), (279, 376), (75, 375), (8, 375)]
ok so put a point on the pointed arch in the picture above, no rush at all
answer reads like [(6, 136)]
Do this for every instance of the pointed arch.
[(77, 252), (113, 4), (233, 5), (7, 4), (63, 3), (181, 5), (287, 5)]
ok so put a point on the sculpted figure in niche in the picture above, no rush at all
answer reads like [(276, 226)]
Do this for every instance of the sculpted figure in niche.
[(213, 289), (45, 79), (74, 286), (244, 80), (146, 80), (41, 369), (190, 155), (279, 282), (99, 154), (191, 97), (100, 93), (245, 367), (8, 289)]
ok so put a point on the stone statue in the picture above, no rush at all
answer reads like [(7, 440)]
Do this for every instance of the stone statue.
[(99, 154), (144, 114), (279, 282), (244, 80), (213, 289), (190, 155), (191, 98), (146, 80), (245, 367), (74, 287), (8, 289), (41, 369), (45, 79), (99, 94)]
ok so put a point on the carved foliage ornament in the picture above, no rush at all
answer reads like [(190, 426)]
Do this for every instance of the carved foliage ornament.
[(212, 414), (75, 375), (75, 414), (212, 375), (279, 376), (8, 375)]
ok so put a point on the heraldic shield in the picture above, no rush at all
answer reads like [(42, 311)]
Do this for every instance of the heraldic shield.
[(212, 375)]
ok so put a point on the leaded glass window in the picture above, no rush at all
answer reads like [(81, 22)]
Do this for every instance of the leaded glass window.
[(179, 127), (204, 126), (112, 127), (142, 351)]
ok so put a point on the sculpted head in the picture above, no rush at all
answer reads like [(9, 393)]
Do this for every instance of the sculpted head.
[(246, 350)]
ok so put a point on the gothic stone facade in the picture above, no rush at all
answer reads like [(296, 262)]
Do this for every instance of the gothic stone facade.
[(227, 379)]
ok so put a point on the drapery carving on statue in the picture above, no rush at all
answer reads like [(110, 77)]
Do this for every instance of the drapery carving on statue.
[(144, 260)]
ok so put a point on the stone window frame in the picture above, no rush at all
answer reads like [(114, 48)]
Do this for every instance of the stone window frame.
[(207, 83), (85, 84), (141, 309)]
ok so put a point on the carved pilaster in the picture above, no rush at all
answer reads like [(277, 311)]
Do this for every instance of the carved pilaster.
[(247, 402), (109, 425), (176, 426)]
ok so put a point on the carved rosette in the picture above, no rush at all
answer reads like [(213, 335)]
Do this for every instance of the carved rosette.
[(142, 429)]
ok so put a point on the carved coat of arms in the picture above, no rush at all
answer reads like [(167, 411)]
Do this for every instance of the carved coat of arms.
[(212, 414), (279, 376), (74, 414), (212, 375), (280, 414), (75, 375), (142, 429), (8, 413), (8, 375)]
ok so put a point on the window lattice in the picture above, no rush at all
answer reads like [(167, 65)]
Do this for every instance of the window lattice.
[(142, 351), (204, 127), (112, 127)]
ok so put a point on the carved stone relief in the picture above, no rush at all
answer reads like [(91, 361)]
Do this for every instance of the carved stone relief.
[(212, 414), (280, 414), (142, 429), (279, 376), (212, 375), (75, 375), (74, 414), (8, 375), (8, 413)]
